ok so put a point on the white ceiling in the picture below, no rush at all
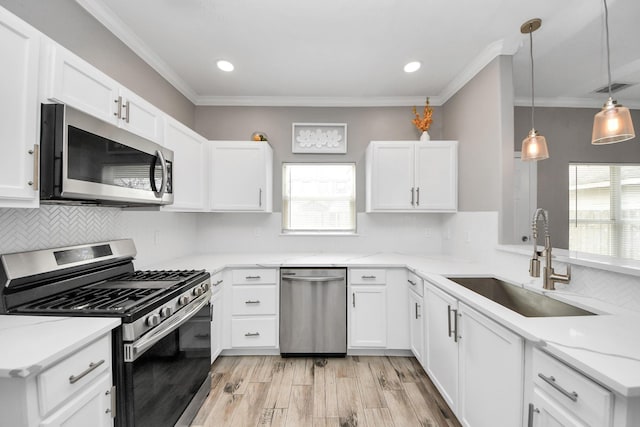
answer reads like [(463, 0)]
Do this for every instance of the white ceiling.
[(351, 52)]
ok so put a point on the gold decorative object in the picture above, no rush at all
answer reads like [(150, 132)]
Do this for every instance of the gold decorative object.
[(424, 123), (259, 136)]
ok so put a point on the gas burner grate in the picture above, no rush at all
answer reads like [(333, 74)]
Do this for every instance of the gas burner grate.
[(160, 275)]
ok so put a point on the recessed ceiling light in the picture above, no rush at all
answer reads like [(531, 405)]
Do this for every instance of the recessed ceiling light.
[(412, 66), (225, 65)]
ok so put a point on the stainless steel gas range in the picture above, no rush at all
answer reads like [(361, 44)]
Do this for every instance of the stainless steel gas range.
[(162, 350)]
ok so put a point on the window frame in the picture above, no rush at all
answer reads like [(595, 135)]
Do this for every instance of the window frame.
[(321, 232)]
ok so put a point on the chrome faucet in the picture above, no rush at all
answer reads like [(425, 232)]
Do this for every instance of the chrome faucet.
[(550, 277)]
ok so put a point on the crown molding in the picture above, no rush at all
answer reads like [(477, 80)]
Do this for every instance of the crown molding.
[(316, 101), (114, 24), (495, 49), (566, 102)]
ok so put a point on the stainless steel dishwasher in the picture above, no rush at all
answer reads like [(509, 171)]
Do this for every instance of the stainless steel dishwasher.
[(313, 311)]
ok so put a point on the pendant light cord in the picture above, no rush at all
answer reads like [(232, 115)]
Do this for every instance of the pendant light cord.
[(606, 26), (532, 89)]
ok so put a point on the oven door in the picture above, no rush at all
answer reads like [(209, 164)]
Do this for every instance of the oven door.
[(166, 371)]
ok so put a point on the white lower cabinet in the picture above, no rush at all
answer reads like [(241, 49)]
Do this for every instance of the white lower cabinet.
[(564, 397), (216, 324), (367, 308), (416, 318), (253, 302), (476, 364)]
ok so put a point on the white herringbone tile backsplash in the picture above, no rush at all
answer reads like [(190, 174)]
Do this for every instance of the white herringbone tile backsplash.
[(52, 226)]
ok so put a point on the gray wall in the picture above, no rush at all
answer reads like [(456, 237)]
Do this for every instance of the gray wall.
[(568, 134), (363, 125), (475, 116), (70, 25)]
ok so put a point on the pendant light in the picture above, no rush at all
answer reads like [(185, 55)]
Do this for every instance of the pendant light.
[(534, 146), (613, 123)]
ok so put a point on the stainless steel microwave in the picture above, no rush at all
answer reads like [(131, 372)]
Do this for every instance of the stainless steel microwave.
[(84, 160)]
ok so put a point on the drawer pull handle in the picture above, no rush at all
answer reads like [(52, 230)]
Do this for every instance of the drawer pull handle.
[(412, 282), (218, 282), (75, 378), (252, 334), (252, 302), (552, 382), (252, 277), (369, 277)]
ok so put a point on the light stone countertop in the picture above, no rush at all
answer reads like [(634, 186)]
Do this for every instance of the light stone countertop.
[(605, 347), (30, 344)]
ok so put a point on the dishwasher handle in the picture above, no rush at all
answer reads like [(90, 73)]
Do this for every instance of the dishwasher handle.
[(312, 278)]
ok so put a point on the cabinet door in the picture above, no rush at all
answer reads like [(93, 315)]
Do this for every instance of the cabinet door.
[(390, 184), (140, 117), (216, 326), (238, 176), (368, 319), (441, 348), (189, 167), (19, 112), (546, 412), (77, 83), (491, 363), (416, 325), (90, 407), (436, 176)]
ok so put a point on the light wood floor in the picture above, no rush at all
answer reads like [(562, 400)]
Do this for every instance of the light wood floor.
[(298, 392)]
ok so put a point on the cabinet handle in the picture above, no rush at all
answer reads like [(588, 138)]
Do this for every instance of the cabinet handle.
[(417, 309), (532, 410), (411, 281), (252, 334), (252, 301), (368, 277), (418, 196), (412, 196), (75, 378), (252, 277), (126, 107), (455, 325), (552, 382), (112, 392), (118, 112), (201, 336), (36, 167), (218, 282), (260, 197), (449, 319), (354, 299)]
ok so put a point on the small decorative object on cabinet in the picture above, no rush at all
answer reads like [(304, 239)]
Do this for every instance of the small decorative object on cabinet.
[(424, 123), (259, 136), (319, 138)]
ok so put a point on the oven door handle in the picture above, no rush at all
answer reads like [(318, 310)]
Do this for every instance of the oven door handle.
[(136, 349)]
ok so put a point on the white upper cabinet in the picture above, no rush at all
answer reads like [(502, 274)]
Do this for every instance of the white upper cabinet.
[(241, 176), (19, 112), (189, 167), (75, 82), (412, 176)]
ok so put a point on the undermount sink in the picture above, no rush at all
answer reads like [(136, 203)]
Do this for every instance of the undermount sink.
[(520, 300)]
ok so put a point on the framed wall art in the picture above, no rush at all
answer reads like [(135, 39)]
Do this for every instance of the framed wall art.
[(319, 138)]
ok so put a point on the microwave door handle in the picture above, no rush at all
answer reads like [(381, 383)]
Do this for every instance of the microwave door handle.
[(163, 185)]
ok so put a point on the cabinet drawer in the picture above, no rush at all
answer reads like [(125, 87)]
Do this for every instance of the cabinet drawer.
[(254, 299), (586, 399), (253, 332), (61, 381), (253, 276), (368, 276), (416, 284)]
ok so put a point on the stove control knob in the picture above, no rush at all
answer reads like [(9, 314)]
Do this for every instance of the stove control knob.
[(205, 287), (197, 291), (152, 320), (183, 300), (166, 312)]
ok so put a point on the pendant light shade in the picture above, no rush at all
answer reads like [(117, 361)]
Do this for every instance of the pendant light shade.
[(534, 146), (612, 124)]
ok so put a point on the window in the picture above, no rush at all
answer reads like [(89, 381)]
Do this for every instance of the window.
[(604, 209), (319, 197)]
